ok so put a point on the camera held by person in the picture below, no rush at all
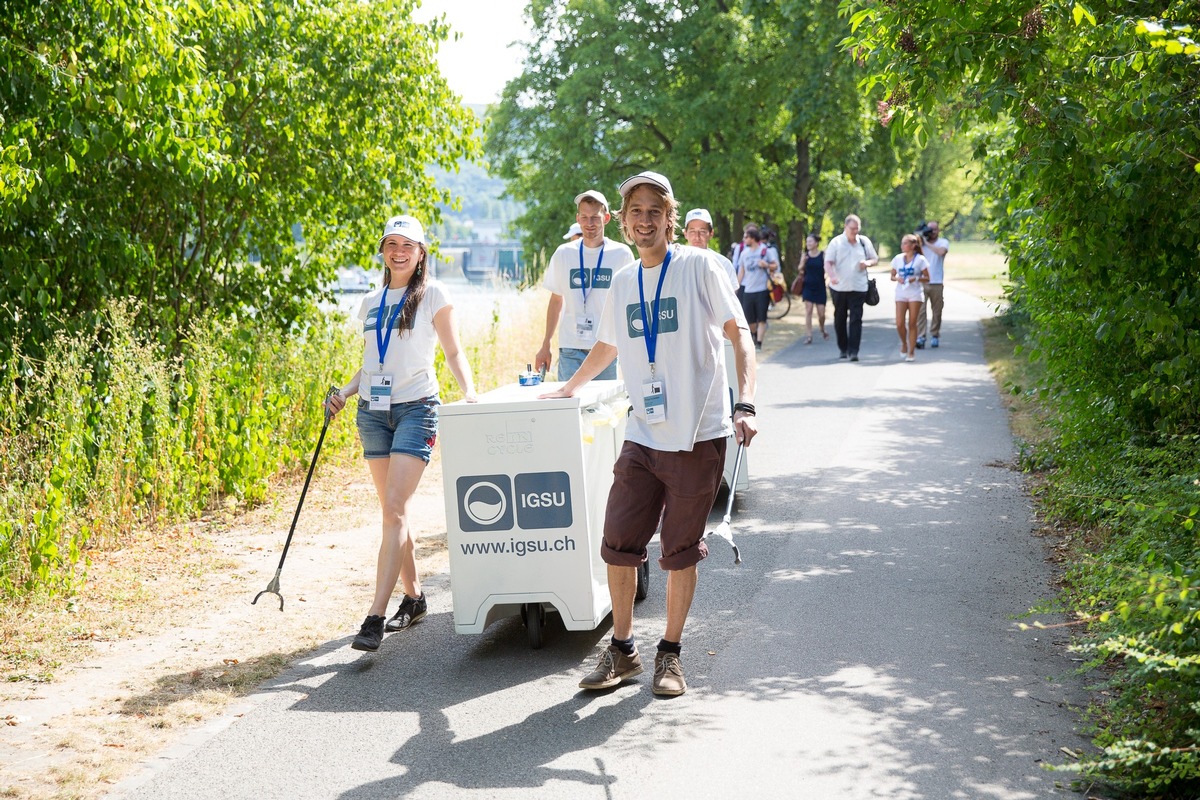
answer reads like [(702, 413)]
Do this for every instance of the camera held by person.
[(927, 232)]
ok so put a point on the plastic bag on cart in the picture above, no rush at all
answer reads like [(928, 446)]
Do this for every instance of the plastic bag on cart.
[(599, 415)]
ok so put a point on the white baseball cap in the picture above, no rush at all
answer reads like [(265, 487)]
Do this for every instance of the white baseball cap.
[(592, 194), (652, 178), (574, 230), (700, 214), (406, 226)]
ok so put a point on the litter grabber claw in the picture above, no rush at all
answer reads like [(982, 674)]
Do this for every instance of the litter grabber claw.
[(723, 530), (273, 586)]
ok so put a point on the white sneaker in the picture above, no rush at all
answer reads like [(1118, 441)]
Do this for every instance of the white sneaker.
[(910, 358)]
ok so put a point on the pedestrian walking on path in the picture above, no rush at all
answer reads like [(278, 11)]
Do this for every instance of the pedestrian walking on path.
[(397, 390), (847, 259), (910, 272)]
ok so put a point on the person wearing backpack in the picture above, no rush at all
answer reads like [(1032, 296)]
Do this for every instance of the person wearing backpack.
[(755, 262)]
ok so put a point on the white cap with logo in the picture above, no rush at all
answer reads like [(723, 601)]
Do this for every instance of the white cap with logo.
[(592, 194), (700, 214), (406, 226), (652, 178)]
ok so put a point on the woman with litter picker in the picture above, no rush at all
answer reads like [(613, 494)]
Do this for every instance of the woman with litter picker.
[(397, 392)]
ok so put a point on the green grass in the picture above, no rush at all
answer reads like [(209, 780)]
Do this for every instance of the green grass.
[(979, 268)]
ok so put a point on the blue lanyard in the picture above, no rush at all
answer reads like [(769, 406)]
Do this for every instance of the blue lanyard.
[(381, 339), (583, 281), (650, 329)]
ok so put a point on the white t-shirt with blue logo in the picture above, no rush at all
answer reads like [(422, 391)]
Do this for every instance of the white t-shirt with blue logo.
[(563, 278), (695, 304), (907, 292), (410, 353)]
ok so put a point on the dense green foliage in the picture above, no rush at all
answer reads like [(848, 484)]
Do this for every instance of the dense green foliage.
[(162, 437), (178, 182), (750, 109), (1092, 151), (171, 151)]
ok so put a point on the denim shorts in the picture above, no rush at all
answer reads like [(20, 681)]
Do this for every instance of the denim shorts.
[(570, 359), (408, 428)]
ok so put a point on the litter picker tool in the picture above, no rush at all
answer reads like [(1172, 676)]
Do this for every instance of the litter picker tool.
[(273, 586), (723, 530)]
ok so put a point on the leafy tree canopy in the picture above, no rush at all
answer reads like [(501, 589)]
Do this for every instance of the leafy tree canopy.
[(200, 156)]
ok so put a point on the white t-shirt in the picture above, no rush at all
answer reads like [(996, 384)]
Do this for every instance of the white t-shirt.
[(841, 258), (695, 304), (728, 265), (563, 277), (409, 353), (937, 264), (756, 278), (909, 292)]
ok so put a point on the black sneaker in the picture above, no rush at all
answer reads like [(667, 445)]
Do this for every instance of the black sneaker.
[(843, 354), (854, 356), (411, 609), (370, 635)]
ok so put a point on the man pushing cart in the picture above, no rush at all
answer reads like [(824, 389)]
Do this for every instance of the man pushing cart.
[(665, 318)]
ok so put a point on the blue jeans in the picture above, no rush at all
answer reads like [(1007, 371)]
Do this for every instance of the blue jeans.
[(571, 358), (407, 428)]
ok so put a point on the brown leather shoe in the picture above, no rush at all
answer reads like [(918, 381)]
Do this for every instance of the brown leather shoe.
[(613, 668), (668, 675)]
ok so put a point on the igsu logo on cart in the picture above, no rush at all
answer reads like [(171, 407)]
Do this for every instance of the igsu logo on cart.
[(485, 503), (541, 500), (668, 316)]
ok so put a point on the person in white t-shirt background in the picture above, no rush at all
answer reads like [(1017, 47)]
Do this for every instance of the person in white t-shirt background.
[(666, 318), (574, 233), (397, 388), (756, 262), (935, 248), (698, 231), (848, 256), (910, 271), (578, 277)]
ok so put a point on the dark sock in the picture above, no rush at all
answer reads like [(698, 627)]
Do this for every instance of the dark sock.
[(669, 647), (626, 646)]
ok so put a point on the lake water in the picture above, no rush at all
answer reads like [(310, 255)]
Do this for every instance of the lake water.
[(473, 302)]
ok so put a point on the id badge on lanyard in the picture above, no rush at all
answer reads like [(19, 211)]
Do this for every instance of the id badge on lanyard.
[(654, 398), (381, 392), (585, 327)]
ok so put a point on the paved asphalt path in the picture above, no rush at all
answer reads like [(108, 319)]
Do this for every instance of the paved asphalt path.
[(867, 646)]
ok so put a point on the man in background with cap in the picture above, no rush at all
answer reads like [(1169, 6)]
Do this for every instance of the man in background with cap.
[(578, 278), (573, 233), (698, 230), (665, 318)]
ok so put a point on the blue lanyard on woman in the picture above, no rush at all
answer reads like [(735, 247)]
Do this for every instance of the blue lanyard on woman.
[(650, 330), (583, 281), (383, 340)]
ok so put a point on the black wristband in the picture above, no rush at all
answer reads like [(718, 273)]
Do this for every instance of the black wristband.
[(745, 408)]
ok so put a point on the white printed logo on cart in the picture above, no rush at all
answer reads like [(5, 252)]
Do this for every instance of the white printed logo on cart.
[(485, 503), (543, 500)]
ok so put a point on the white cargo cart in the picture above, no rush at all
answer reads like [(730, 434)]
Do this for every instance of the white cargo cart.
[(526, 482)]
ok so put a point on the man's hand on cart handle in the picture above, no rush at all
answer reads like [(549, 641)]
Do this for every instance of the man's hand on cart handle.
[(745, 424)]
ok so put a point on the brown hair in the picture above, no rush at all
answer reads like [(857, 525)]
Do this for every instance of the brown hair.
[(916, 240)]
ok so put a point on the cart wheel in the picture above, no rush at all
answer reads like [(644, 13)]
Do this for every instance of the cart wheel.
[(534, 616), (643, 582)]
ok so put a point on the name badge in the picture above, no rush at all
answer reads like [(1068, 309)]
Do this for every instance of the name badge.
[(585, 327), (381, 392), (654, 398)]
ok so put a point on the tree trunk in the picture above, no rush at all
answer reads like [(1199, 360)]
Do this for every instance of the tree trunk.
[(799, 228)]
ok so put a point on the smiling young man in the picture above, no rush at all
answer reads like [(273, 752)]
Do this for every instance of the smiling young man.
[(578, 278), (665, 318)]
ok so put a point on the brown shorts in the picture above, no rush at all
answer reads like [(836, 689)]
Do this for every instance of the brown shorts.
[(678, 486)]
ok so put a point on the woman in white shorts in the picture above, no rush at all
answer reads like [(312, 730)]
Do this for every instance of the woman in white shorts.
[(909, 271)]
